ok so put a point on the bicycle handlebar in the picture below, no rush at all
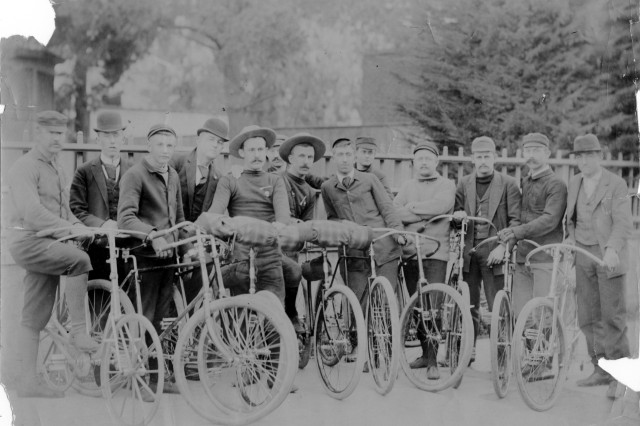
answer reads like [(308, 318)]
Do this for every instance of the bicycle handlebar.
[(175, 227), (86, 231), (187, 241), (389, 232), (465, 218), (495, 237), (562, 246)]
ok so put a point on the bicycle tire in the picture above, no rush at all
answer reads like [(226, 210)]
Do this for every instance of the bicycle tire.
[(231, 402), (336, 349), (529, 336), (500, 337), (456, 334), (99, 309), (383, 332), (131, 347)]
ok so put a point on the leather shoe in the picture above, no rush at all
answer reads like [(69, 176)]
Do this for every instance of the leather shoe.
[(37, 390), (595, 379), (84, 342), (420, 362), (171, 388), (365, 369), (433, 373), (473, 356)]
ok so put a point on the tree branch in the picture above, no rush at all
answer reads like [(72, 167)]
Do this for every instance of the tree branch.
[(196, 30)]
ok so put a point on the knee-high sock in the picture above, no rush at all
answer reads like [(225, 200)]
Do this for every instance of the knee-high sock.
[(290, 297), (75, 291), (28, 346)]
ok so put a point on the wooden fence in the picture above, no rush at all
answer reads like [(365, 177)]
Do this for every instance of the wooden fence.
[(397, 167)]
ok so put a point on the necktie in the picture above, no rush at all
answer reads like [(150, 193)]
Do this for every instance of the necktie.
[(111, 171), (204, 172), (346, 182)]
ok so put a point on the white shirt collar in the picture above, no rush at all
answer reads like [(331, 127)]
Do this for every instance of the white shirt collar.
[(105, 160), (341, 176)]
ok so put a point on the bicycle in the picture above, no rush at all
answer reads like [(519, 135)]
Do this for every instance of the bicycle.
[(236, 356), (503, 321), (438, 317), (337, 328), (128, 343), (542, 353)]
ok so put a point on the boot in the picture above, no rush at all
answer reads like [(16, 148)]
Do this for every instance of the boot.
[(75, 291)]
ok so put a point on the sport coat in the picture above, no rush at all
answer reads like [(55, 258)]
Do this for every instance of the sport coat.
[(367, 203), (610, 215), (88, 200), (186, 166), (504, 207)]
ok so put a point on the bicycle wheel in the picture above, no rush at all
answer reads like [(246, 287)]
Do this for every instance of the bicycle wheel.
[(340, 341), (98, 307), (500, 339), (169, 341), (463, 288), (539, 361), (442, 323), (135, 374), (252, 373), (383, 332)]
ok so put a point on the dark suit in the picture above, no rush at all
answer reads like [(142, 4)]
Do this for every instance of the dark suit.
[(367, 203), (601, 299), (186, 166), (88, 199), (89, 202), (503, 211)]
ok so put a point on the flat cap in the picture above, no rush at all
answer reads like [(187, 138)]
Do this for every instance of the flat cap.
[(158, 128), (428, 146), (586, 143), (535, 139), (51, 118), (483, 144), (366, 140), (337, 141)]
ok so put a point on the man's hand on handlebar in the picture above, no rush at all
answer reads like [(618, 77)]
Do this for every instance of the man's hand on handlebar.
[(401, 240), (459, 216), (611, 260), (159, 245), (507, 234), (110, 224), (496, 256)]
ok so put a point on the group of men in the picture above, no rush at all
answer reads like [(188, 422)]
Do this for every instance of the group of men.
[(164, 189)]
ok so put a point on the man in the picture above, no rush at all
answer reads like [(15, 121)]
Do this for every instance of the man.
[(38, 201), (198, 176), (544, 201), (151, 201), (418, 200), (493, 196), (361, 198), (259, 195), (599, 221), (96, 186), (366, 149), (275, 163), (299, 152)]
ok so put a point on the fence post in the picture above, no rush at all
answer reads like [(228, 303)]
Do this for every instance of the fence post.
[(445, 166), (518, 166), (460, 165), (79, 157)]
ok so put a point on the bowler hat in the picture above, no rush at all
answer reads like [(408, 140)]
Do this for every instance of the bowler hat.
[(483, 144), (586, 143), (157, 128), (51, 118), (109, 121), (216, 127), (366, 141), (535, 139), (318, 145), (429, 146), (337, 141), (251, 132)]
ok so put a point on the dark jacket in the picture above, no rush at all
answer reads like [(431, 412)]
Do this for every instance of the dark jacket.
[(147, 203), (381, 176), (186, 166), (504, 207), (89, 201), (610, 216), (366, 203), (544, 201)]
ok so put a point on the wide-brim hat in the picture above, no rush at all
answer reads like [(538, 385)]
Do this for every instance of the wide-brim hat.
[(586, 143), (109, 121), (319, 147), (216, 127), (251, 132)]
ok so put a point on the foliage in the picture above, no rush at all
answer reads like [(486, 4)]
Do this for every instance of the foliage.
[(507, 68)]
